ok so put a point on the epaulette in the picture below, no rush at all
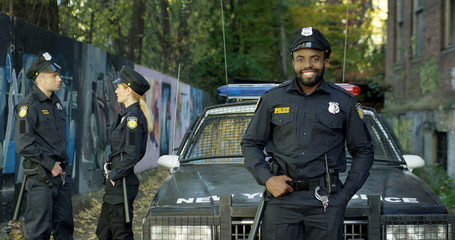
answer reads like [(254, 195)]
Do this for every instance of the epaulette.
[(284, 84)]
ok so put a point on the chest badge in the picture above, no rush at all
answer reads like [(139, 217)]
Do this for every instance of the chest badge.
[(59, 106), (23, 111), (334, 107), (281, 110), (132, 122)]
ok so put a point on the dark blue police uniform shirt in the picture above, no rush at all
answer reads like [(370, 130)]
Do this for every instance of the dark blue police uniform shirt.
[(297, 130), (128, 138), (40, 131)]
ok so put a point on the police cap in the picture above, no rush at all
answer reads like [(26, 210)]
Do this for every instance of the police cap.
[(309, 37), (134, 80), (42, 64)]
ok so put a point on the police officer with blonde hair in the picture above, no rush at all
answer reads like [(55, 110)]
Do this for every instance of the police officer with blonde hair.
[(128, 144), (305, 125), (40, 138)]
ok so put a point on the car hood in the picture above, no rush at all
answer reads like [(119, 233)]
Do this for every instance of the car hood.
[(198, 187)]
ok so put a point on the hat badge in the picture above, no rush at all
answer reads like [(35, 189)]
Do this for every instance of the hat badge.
[(47, 56), (334, 107), (307, 31)]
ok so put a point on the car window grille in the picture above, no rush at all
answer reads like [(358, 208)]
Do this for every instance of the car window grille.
[(218, 138)]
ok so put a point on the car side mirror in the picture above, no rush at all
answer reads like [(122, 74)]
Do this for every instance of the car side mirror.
[(169, 161), (414, 161)]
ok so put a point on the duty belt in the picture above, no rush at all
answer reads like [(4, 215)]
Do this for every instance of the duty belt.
[(310, 184)]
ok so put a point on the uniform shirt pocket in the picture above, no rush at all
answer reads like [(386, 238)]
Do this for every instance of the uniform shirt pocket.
[(328, 130), (284, 131)]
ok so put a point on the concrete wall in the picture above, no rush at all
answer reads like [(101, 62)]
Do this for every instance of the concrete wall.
[(417, 130)]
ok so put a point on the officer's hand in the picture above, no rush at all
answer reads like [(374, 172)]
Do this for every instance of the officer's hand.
[(57, 170), (277, 185), (112, 182)]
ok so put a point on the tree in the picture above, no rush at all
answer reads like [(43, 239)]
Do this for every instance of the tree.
[(115, 26), (41, 13)]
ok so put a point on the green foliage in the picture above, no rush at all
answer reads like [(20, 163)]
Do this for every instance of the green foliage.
[(429, 76), (188, 35), (441, 183)]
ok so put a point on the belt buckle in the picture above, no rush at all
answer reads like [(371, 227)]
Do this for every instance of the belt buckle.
[(300, 185)]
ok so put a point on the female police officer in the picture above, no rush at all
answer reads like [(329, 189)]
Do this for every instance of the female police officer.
[(128, 143)]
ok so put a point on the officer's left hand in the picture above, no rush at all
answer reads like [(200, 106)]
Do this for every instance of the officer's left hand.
[(112, 182), (57, 170)]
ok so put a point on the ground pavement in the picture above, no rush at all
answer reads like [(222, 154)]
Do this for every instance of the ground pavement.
[(87, 207)]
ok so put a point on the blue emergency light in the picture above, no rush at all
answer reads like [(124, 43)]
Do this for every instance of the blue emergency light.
[(245, 91), (254, 91)]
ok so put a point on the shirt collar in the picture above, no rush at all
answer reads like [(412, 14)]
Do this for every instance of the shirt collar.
[(294, 86), (42, 97), (129, 108)]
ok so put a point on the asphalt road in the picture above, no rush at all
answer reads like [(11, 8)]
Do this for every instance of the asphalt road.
[(87, 207)]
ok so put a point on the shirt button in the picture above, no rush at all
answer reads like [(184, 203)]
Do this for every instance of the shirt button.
[(304, 134), (303, 153), (300, 170), (306, 114)]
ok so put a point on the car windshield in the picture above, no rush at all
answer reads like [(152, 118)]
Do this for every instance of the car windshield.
[(217, 137)]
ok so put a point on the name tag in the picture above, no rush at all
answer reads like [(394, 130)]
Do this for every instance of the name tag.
[(282, 110)]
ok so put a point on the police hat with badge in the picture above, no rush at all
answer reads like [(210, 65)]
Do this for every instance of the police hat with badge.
[(42, 64), (309, 37), (134, 80)]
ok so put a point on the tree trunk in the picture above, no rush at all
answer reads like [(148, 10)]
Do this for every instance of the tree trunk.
[(136, 31), (283, 58)]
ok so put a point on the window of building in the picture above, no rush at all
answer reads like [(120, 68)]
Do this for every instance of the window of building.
[(399, 32), (441, 149), (417, 30), (450, 23)]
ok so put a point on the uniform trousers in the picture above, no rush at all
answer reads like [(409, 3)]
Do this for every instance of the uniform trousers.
[(111, 223), (48, 210), (299, 215)]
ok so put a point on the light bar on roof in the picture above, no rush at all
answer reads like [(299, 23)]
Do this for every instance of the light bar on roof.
[(254, 91), (245, 91)]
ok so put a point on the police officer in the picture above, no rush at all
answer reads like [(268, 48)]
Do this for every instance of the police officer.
[(128, 143), (304, 126), (40, 138)]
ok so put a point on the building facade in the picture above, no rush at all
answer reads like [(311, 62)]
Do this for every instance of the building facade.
[(420, 71)]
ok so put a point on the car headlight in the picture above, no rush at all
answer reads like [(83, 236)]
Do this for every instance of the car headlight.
[(423, 231), (181, 232)]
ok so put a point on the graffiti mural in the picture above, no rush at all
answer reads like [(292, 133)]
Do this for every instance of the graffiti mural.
[(88, 97)]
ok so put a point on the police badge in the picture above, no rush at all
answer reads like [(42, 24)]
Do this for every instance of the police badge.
[(334, 107), (59, 106)]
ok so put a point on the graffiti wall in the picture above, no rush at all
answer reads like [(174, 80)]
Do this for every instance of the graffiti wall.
[(90, 103)]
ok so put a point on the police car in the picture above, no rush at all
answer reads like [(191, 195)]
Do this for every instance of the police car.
[(209, 194)]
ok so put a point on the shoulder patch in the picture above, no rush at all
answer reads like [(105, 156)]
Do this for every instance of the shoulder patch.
[(23, 111), (359, 110), (132, 122)]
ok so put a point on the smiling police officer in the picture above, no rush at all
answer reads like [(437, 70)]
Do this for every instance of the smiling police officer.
[(304, 125), (40, 137)]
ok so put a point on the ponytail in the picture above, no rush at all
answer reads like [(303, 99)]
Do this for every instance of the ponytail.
[(146, 113)]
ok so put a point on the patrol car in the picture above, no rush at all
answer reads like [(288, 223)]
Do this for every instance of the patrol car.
[(209, 194)]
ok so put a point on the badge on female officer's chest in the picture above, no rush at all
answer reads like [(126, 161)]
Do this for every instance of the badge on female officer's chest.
[(334, 107)]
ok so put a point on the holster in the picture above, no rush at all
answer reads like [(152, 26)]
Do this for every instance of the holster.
[(273, 165), (32, 169)]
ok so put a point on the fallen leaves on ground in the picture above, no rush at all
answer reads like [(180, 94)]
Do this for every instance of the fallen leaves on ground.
[(86, 217)]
